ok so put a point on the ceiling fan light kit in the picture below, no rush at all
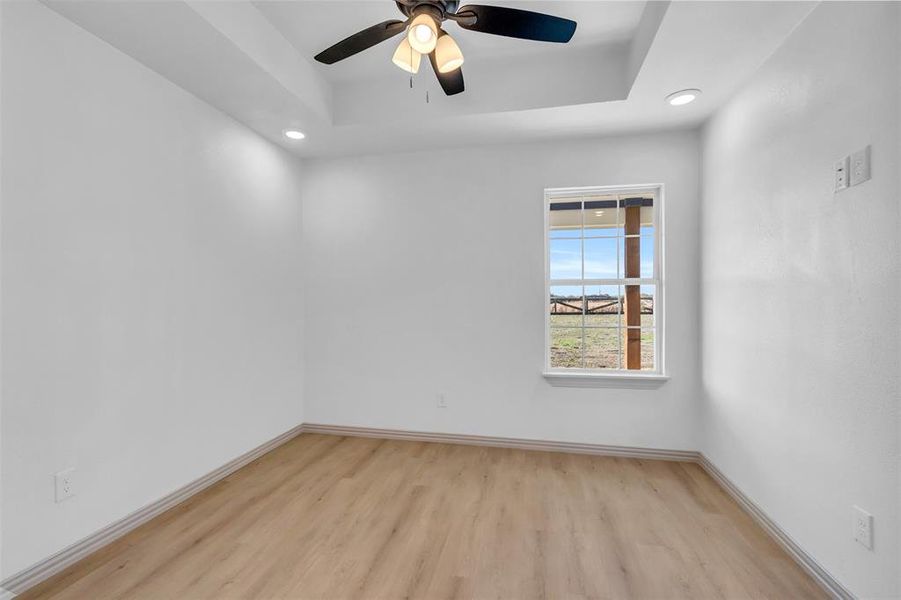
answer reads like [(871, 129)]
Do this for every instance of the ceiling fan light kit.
[(424, 35), (406, 57), (447, 53)]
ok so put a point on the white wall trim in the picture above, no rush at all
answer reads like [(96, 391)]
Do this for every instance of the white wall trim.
[(504, 442), (50, 566), (605, 380), (807, 562)]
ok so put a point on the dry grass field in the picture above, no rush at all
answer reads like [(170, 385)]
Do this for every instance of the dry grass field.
[(602, 341)]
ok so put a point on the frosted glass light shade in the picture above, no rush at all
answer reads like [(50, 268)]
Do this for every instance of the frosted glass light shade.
[(422, 34), (447, 54), (406, 57)]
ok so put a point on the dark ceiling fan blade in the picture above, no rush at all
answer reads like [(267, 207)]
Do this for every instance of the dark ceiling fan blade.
[(516, 23), (451, 82), (360, 41)]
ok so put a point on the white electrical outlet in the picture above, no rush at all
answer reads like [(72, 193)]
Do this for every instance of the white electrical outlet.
[(64, 484), (860, 166), (442, 401), (863, 527), (840, 174)]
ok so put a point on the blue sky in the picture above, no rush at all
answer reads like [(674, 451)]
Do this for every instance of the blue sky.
[(600, 256)]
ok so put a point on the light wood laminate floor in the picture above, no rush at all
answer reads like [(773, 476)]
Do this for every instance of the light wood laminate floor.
[(336, 517)]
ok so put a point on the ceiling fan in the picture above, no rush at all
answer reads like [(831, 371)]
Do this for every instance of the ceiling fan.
[(426, 36)]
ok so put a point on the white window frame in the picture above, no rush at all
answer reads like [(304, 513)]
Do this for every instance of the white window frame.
[(609, 377)]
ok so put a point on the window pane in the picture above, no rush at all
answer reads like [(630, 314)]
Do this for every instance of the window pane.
[(645, 338), (601, 260), (645, 304), (566, 259), (565, 306), (565, 219), (647, 350), (648, 305), (645, 256), (647, 219), (636, 218), (602, 348), (602, 216), (603, 305), (638, 308), (566, 348)]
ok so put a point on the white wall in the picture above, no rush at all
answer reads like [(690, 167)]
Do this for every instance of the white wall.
[(151, 299), (800, 288), (401, 249)]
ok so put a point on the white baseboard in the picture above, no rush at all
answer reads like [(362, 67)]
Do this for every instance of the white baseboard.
[(54, 564), (504, 442), (831, 585), (35, 574), (807, 562)]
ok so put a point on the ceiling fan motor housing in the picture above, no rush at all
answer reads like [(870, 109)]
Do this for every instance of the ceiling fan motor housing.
[(436, 8)]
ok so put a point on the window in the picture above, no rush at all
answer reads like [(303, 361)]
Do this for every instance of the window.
[(603, 281)]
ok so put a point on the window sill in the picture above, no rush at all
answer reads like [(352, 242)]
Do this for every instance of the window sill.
[(605, 380)]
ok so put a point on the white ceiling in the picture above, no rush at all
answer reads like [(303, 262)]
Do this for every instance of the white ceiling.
[(253, 60)]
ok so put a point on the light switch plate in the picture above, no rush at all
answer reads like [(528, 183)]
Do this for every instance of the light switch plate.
[(860, 166), (840, 174)]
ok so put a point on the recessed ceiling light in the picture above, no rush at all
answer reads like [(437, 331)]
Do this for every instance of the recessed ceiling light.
[(293, 134), (598, 213), (683, 97)]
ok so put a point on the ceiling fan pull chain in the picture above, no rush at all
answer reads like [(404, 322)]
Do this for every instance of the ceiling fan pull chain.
[(411, 62), (427, 96)]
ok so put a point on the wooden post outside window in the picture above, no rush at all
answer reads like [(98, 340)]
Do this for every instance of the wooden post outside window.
[(633, 292)]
